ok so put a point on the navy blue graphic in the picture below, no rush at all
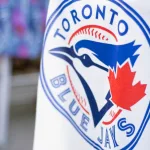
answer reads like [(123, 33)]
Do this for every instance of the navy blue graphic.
[(107, 54)]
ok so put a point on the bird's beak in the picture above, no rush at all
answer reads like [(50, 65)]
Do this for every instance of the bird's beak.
[(64, 53)]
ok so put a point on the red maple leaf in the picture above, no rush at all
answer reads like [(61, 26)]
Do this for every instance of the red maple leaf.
[(124, 93)]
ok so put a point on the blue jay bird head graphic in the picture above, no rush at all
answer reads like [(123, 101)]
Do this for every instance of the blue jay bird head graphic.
[(108, 54), (100, 55)]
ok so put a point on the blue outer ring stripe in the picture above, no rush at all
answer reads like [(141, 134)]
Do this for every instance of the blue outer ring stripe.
[(138, 16)]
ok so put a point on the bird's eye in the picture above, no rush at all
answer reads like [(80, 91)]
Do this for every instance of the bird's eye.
[(86, 60), (84, 57)]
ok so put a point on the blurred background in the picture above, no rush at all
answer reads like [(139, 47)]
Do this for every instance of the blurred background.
[(22, 25)]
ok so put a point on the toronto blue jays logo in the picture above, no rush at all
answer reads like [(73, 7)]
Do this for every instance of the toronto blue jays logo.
[(94, 62)]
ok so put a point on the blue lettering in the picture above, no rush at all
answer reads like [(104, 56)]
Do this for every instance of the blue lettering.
[(114, 13), (84, 122), (61, 95), (59, 81), (123, 126), (74, 111), (74, 16), (84, 11), (107, 141), (65, 24), (122, 24), (101, 139), (101, 12), (112, 133), (59, 34)]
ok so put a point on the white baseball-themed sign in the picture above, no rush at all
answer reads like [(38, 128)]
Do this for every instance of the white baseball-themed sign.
[(94, 87)]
